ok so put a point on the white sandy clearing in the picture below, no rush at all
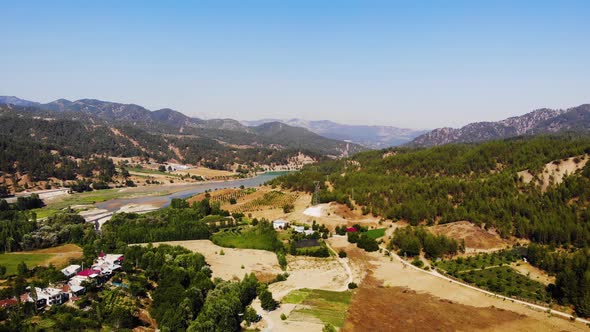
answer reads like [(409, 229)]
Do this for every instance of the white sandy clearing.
[(229, 265), (137, 208), (311, 272), (315, 211), (555, 171)]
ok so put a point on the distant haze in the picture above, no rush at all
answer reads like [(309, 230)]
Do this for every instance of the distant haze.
[(405, 64)]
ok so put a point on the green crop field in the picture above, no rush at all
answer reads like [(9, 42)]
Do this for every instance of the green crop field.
[(11, 261), (246, 238), (376, 233), (328, 306)]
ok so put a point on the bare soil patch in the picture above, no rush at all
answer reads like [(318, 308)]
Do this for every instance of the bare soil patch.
[(313, 273), (475, 237), (425, 293), (533, 272), (412, 311)]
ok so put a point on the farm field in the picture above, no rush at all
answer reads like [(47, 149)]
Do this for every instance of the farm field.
[(245, 238), (11, 261), (506, 281), (59, 256), (327, 306), (494, 272), (269, 200), (480, 261)]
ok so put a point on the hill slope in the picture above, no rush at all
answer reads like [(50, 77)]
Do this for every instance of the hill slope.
[(536, 122), (171, 122)]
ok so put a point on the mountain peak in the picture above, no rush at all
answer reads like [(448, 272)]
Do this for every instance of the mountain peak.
[(542, 120)]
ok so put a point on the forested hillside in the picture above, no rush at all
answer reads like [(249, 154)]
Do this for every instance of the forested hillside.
[(478, 183), (62, 148)]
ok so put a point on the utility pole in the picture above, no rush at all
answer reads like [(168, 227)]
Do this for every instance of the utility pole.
[(316, 194)]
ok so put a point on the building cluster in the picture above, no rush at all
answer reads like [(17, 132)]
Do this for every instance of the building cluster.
[(281, 224), (78, 279)]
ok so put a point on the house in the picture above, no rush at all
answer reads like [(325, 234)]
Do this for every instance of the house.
[(107, 263), (299, 229), (71, 270), (88, 273), (73, 290), (75, 284), (110, 258), (49, 296), (280, 224)]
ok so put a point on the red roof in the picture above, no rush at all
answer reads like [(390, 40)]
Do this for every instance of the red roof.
[(351, 229), (7, 303), (88, 272)]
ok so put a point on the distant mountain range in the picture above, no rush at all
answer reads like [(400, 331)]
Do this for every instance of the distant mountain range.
[(540, 121), (166, 121), (375, 137)]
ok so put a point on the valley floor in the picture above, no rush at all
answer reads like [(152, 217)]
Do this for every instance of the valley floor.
[(395, 297)]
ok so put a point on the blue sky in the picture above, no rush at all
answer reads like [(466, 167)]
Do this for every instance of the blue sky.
[(420, 64)]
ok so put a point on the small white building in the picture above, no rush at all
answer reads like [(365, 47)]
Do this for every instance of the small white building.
[(280, 224), (71, 270), (299, 229)]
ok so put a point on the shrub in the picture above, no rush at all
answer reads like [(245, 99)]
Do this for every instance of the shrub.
[(418, 262), (342, 254), (329, 328), (352, 285), (283, 316), (287, 208)]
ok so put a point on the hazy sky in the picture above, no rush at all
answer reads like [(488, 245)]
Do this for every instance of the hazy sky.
[(420, 64)]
